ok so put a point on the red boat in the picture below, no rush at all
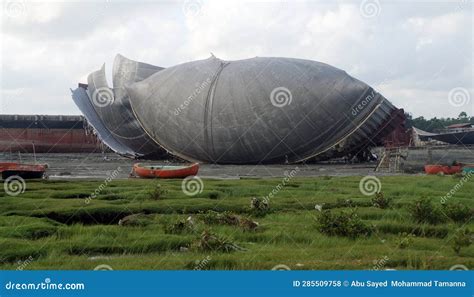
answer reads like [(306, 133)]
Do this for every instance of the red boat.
[(153, 171), (443, 169), (25, 171)]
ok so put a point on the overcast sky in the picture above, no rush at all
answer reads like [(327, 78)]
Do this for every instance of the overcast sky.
[(419, 55)]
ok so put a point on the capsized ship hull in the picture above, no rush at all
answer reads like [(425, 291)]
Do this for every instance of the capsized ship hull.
[(108, 109), (259, 110)]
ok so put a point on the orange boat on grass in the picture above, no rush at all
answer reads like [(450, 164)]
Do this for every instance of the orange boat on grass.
[(443, 169), (23, 170), (157, 171)]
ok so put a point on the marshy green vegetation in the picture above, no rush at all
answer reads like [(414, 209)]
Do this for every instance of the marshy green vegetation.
[(310, 223)]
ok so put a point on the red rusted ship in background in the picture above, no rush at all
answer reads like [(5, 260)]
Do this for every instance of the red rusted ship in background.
[(47, 134), (8, 169)]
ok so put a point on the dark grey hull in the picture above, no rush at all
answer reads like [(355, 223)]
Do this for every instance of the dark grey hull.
[(260, 110), (232, 118), (456, 138)]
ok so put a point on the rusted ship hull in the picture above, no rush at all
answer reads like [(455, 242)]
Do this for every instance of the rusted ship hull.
[(46, 134)]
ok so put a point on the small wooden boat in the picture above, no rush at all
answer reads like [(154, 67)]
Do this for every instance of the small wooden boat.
[(442, 169), (154, 171), (25, 171)]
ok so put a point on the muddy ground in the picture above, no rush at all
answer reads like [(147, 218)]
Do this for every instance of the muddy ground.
[(66, 166)]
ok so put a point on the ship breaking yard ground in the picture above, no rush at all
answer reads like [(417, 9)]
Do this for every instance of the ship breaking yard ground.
[(98, 166), (90, 215)]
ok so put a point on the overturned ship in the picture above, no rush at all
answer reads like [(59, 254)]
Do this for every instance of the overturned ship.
[(460, 134), (258, 110)]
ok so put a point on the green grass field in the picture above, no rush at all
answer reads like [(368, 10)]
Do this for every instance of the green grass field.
[(51, 225)]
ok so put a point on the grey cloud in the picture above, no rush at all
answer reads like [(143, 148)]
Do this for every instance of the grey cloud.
[(414, 52)]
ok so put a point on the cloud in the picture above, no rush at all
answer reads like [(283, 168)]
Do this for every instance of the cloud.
[(414, 53)]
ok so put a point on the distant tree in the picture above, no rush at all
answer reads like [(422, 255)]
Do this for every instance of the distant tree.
[(462, 115)]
